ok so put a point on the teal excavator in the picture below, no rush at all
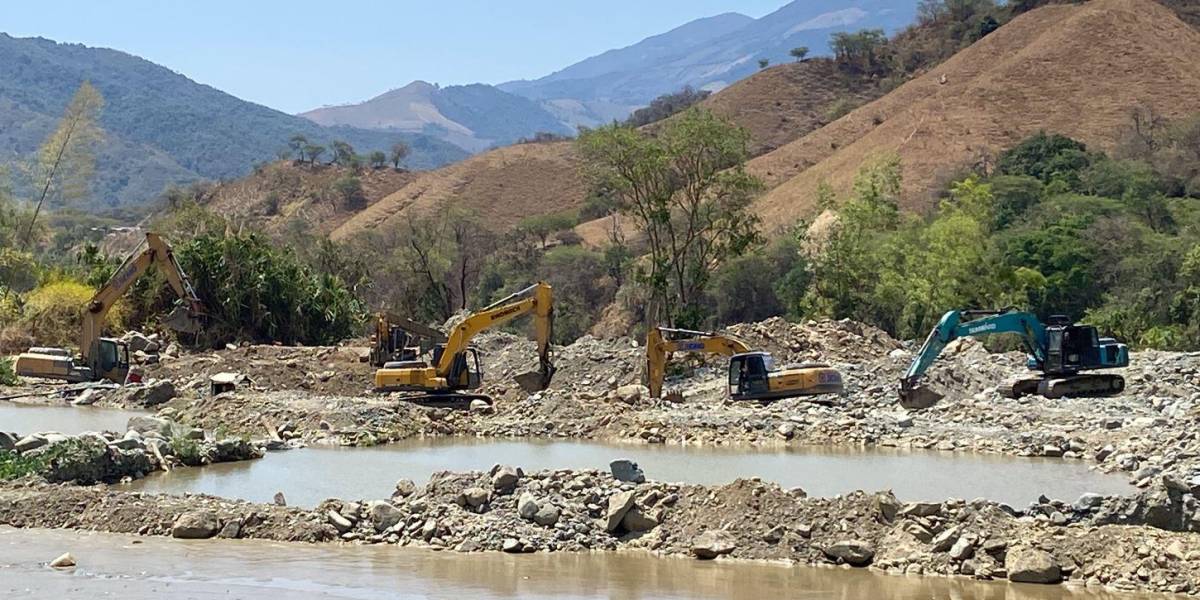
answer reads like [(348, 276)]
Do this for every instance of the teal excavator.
[(1059, 349)]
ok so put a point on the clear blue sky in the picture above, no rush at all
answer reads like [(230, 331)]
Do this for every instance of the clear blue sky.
[(298, 55)]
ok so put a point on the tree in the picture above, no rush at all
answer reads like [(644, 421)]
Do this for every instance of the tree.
[(314, 152), (64, 164), (688, 194), (378, 159), (666, 105), (298, 144), (542, 226), (350, 190), (398, 154), (764, 63), (861, 52), (799, 53), (343, 153)]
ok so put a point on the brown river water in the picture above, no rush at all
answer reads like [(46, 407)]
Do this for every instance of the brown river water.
[(116, 566)]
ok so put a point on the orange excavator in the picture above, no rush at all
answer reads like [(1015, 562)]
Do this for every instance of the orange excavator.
[(108, 358)]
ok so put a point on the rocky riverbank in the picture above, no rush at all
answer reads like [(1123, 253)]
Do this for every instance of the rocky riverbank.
[(508, 510)]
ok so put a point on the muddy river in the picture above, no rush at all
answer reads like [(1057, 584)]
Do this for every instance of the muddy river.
[(308, 476), (31, 418), (131, 568)]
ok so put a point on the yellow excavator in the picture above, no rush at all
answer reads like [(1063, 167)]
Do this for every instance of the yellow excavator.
[(455, 364), (108, 358), (398, 339), (752, 374)]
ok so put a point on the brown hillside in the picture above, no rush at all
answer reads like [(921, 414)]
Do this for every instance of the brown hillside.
[(281, 192), (1075, 70), (782, 103), (503, 185)]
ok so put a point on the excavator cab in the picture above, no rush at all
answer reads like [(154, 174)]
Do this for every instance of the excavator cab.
[(749, 375), (465, 372), (112, 359)]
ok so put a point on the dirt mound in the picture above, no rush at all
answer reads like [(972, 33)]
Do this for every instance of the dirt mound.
[(826, 340), (1075, 70), (504, 186), (328, 369), (280, 192)]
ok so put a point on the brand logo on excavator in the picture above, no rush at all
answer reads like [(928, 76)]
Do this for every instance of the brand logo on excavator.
[(505, 312), (981, 328), (692, 346)]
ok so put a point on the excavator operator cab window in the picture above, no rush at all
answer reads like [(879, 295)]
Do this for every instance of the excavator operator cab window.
[(113, 354), (748, 373)]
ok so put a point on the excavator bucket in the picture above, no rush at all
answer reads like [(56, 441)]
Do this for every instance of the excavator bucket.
[(536, 380), (182, 319), (916, 397)]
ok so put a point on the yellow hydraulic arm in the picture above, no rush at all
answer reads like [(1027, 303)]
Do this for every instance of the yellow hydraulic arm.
[(659, 347), (537, 299), (154, 251)]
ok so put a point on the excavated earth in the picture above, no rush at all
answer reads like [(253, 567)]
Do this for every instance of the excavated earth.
[(297, 396)]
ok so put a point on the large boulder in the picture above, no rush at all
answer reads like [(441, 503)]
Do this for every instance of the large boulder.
[(630, 394), (713, 543), (30, 442), (505, 478), (548, 515), (144, 424), (626, 470), (1025, 564), (8, 441), (196, 525), (383, 515), (637, 521), (148, 394), (856, 553), (618, 504), (527, 506)]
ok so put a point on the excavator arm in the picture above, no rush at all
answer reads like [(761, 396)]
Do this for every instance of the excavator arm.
[(658, 348), (956, 324), (153, 251), (536, 299)]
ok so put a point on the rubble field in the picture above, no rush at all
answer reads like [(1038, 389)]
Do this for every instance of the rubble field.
[(290, 397)]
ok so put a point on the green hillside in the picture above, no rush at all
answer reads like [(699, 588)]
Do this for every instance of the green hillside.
[(161, 127)]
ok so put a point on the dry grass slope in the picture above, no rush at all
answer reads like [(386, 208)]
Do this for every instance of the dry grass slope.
[(1075, 70), (503, 186)]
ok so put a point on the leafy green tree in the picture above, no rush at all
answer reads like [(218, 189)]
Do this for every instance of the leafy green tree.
[(63, 167), (543, 226), (799, 53), (1047, 157), (764, 63), (349, 189), (314, 152), (688, 194), (343, 154), (378, 159), (298, 144), (862, 52)]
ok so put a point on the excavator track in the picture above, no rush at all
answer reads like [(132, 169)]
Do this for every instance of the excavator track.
[(444, 400), (1078, 386)]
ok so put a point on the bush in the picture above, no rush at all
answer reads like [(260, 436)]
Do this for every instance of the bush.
[(187, 450), (14, 465), (7, 375), (665, 106), (53, 312), (254, 290)]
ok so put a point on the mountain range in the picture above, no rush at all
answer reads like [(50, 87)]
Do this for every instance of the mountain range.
[(710, 53), (160, 128)]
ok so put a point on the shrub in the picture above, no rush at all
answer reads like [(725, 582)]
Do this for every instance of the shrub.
[(53, 312), (7, 375), (14, 465)]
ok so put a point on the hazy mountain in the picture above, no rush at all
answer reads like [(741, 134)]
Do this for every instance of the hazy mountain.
[(473, 117), (709, 54), (161, 127)]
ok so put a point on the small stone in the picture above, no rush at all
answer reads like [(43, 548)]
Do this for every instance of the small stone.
[(888, 506), (626, 470), (963, 549), (630, 394), (279, 499), (64, 561), (481, 407), (713, 543), (511, 545), (476, 496), (921, 509), (383, 515), (1052, 451), (196, 525), (786, 431), (774, 534), (1088, 501), (944, 540)]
